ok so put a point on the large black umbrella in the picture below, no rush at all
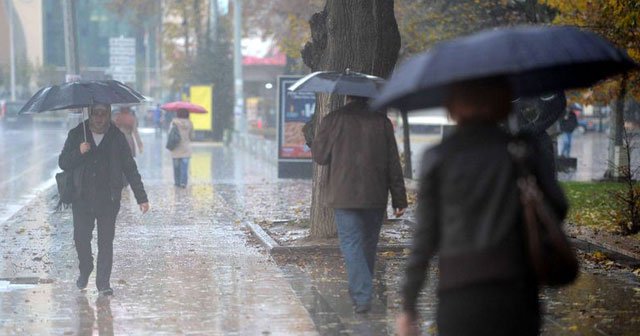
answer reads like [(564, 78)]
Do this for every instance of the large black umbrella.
[(81, 94), (534, 59), (346, 83)]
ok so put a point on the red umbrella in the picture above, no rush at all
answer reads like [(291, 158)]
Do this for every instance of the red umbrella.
[(182, 105)]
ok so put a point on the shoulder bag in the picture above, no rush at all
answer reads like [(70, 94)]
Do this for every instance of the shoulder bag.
[(173, 139), (551, 255)]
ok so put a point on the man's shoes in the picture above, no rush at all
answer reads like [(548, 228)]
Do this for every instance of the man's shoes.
[(362, 308), (105, 292), (82, 281)]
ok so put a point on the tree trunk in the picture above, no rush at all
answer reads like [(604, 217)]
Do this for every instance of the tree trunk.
[(361, 35), (616, 157)]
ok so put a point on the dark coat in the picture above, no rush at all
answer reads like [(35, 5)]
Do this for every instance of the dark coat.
[(469, 212), (568, 122), (364, 166), (115, 153)]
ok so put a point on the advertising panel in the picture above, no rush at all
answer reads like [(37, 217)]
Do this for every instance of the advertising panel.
[(202, 95), (294, 109)]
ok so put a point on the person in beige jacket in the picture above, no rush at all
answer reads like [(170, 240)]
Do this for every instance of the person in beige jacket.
[(182, 153)]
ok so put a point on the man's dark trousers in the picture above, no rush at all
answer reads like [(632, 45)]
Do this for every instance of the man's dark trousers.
[(84, 220)]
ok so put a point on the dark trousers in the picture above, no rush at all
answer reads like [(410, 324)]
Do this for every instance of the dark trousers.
[(84, 220), (489, 309)]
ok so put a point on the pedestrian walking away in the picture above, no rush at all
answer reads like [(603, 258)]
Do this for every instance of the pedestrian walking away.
[(98, 166), (182, 152), (157, 120), (568, 123), (469, 211), (364, 166), (127, 122)]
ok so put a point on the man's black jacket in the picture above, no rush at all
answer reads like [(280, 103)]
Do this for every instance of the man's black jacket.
[(115, 153)]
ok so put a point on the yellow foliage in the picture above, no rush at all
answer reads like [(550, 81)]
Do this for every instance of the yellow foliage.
[(598, 256), (616, 20)]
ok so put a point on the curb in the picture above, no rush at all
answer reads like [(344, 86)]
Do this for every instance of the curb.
[(587, 241), (274, 248)]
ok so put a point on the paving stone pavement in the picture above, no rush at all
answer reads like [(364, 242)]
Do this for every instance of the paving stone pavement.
[(185, 267)]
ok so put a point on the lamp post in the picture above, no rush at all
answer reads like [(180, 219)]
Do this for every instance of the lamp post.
[(238, 111), (12, 48)]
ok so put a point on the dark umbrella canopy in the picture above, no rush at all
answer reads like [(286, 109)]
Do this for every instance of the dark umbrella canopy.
[(345, 83), (534, 59), (81, 94)]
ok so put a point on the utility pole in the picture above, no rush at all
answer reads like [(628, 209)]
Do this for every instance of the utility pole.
[(147, 61), (71, 46), (12, 52), (159, 45), (238, 111)]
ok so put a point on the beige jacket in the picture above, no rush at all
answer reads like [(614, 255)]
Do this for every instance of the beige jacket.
[(185, 127)]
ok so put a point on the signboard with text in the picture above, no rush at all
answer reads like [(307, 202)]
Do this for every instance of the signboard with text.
[(294, 111), (122, 59)]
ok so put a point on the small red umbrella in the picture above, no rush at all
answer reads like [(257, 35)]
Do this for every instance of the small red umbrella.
[(182, 105)]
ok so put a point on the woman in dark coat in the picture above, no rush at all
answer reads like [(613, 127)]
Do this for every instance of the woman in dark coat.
[(470, 214)]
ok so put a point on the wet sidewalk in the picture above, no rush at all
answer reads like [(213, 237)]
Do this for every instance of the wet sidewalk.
[(190, 266), (186, 267)]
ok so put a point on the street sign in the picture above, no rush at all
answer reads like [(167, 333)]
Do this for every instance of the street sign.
[(71, 78), (122, 59)]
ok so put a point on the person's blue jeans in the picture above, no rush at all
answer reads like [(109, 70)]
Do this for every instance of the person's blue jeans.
[(358, 231), (566, 144), (180, 171)]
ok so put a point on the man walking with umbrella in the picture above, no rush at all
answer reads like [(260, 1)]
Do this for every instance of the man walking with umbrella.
[(364, 166), (99, 157)]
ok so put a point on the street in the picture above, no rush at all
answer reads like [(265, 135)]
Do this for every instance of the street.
[(29, 161)]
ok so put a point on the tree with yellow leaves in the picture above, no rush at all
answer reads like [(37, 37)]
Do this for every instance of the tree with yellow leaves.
[(619, 22), (616, 20)]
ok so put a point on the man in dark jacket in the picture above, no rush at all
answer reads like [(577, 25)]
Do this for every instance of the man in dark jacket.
[(99, 157), (568, 124), (360, 148)]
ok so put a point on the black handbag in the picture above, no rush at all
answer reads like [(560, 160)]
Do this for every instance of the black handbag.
[(551, 255), (173, 139), (64, 180)]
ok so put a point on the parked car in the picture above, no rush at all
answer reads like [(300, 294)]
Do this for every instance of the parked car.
[(430, 122), (11, 118)]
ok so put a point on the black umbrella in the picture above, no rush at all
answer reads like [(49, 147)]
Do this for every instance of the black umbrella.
[(346, 83), (81, 94), (534, 59)]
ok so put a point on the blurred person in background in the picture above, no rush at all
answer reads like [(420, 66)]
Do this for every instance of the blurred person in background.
[(127, 122), (182, 153), (568, 124)]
